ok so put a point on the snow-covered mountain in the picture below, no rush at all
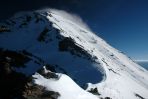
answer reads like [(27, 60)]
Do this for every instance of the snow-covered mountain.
[(83, 64)]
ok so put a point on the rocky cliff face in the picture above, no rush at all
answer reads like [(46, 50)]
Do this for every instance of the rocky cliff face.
[(28, 41)]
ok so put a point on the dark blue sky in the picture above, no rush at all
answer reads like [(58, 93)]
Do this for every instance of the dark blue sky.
[(122, 23)]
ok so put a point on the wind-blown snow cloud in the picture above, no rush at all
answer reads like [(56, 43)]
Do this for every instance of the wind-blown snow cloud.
[(70, 16)]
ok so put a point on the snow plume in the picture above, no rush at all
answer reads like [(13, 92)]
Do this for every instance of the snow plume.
[(70, 16)]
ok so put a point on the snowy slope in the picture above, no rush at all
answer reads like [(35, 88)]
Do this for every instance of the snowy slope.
[(65, 86), (49, 38)]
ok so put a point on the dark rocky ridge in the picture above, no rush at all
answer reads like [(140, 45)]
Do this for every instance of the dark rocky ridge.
[(16, 85)]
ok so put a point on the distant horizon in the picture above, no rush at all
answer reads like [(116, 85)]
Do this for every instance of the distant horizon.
[(141, 60)]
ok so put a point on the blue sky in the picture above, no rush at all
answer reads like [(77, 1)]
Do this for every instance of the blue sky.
[(122, 23)]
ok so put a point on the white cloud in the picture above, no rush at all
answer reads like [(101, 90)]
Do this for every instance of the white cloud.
[(70, 16)]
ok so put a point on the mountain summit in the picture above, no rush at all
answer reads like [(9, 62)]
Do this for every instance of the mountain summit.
[(45, 55)]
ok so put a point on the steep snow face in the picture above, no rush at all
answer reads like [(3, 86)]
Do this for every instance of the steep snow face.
[(48, 38), (35, 36)]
